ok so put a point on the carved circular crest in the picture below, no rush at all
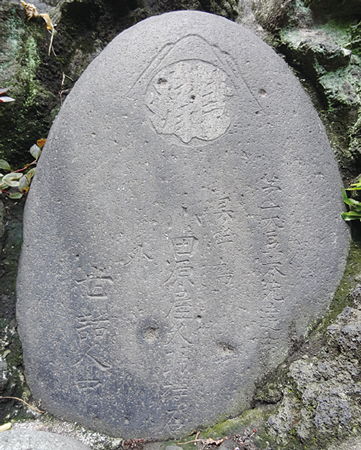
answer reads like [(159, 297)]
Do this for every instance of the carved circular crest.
[(190, 100)]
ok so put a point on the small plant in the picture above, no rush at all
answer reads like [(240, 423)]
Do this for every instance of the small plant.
[(19, 180), (354, 205)]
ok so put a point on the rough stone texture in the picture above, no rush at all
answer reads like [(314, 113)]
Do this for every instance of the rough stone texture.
[(354, 443), (37, 440), (328, 388), (269, 13), (12, 380), (9, 257), (2, 224), (346, 333), (173, 247), (92, 439), (336, 8), (321, 39)]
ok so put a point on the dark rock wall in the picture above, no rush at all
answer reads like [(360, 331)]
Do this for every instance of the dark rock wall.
[(321, 40), (39, 81)]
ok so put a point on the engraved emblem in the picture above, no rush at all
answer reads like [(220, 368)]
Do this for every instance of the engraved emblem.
[(190, 100)]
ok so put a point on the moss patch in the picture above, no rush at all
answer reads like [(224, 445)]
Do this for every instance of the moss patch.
[(349, 281), (23, 121), (325, 48), (250, 420)]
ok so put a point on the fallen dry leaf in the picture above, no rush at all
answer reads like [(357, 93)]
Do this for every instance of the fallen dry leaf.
[(210, 441), (5, 427), (30, 9), (32, 12)]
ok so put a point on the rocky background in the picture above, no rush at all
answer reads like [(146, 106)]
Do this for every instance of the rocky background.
[(313, 401)]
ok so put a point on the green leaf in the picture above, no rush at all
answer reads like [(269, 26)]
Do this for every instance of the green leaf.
[(355, 186), (5, 165), (351, 201), (348, 201), (351, 215), (23, 184), (10, 179), (29, 175), (35, 151), (15, 195)]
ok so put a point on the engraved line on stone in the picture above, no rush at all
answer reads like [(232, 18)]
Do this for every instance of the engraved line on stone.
[(229, 61), (224, 215), (218, 53), (182, 303), (84, 385), (95, 360), (96, 286), (159, 55), (162, 54), (136, 254), (176, 331), (272, 262)]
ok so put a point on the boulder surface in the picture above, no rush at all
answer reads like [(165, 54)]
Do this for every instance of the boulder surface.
[(182, 230)]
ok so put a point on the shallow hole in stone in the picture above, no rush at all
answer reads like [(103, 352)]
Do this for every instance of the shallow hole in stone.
[(262, 92), (161, 81), (226, 349), (151, 334)]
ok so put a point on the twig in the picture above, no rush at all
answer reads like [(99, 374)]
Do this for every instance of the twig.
[(189, 442), (51, 48), (131, 443), (208, 441), (24, 168), (197, 435), (27, 404), (62, 91)]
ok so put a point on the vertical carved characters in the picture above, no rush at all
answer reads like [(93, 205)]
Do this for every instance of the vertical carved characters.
[(93, 326), (179, 343)]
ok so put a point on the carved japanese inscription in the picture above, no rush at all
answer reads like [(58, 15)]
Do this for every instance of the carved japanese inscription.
[(190, 100), (179, 252)]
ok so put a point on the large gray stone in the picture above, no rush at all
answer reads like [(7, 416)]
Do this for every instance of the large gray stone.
[(37, 440), (182, 230)]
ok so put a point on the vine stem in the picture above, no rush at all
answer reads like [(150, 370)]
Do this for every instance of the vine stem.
[(27, 404), (24, 168)]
